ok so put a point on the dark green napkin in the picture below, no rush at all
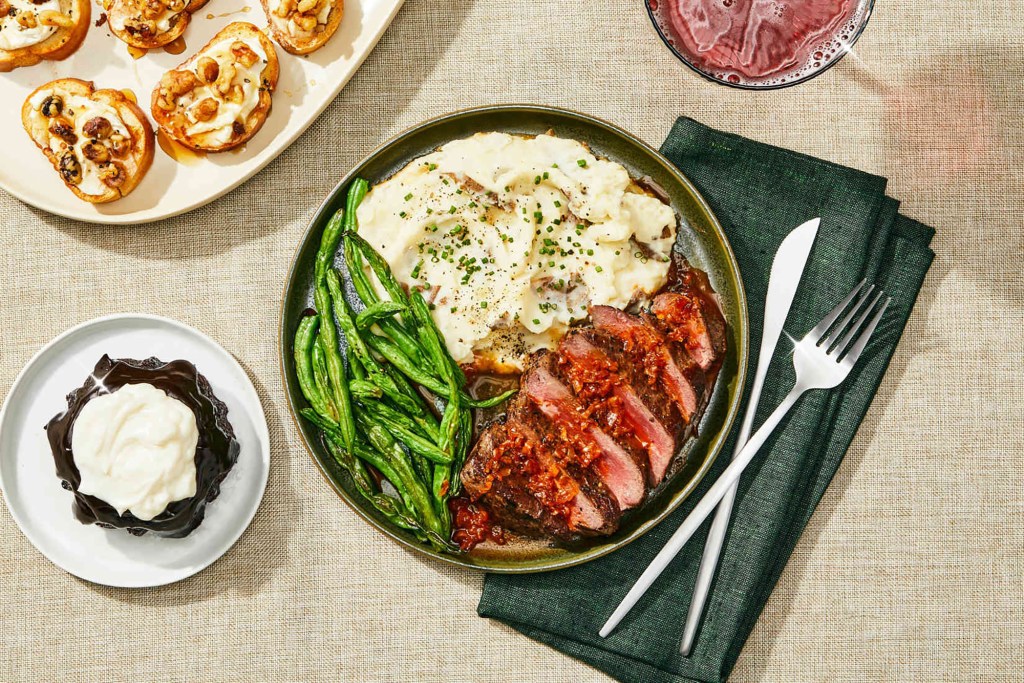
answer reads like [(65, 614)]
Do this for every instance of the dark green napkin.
[(759, 193)]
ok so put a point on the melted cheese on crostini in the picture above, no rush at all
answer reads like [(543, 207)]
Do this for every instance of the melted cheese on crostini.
[(14, 36), (513, 238), (80, 110), (220, 128)]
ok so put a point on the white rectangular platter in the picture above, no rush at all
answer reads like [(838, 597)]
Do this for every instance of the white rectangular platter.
[(305, 87)]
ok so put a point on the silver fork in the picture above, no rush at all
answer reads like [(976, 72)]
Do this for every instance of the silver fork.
[(822, 360)]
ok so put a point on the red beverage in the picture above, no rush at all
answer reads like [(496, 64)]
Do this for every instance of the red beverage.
[(760, 43)]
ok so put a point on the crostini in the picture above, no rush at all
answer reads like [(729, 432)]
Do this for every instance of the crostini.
[(34, 30), (218, 98), (147, 24), (302, 26), (99, 141)]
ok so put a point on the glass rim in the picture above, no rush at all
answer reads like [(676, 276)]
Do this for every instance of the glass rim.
[(869, 9)]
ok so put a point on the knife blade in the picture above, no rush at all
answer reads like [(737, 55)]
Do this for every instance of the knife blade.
[(787, 269)]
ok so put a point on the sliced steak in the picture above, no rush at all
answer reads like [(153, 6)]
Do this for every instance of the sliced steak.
[(516, 473), (609, 397), (599, 421), (594, 509), (592, 445), (639, 338), (689, 314)]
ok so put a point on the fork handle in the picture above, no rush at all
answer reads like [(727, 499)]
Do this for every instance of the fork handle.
[(703, 510)]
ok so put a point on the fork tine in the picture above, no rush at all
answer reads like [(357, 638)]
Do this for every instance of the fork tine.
[(864, 312), (843, 325), (862, 340), (819, 331)]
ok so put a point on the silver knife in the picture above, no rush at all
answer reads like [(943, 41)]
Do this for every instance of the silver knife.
[(787, 268)]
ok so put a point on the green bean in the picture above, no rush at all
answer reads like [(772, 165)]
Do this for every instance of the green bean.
[(356, 469), (321, 380), (492, 401), (380, 268), (329, 240), (356, 368), (366, 292), (305, 339), (421, 313), (331, 431), (403, 419), (424, 417), (356, 192), (413, 441), (335, 367), (382, 440), (357, 346), (393, 509), (390, 351), (364, 390), (377, 312)]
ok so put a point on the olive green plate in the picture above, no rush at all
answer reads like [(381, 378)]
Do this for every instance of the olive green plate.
[(700, 238)]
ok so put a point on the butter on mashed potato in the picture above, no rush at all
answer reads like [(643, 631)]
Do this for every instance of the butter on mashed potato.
[(512, 238)]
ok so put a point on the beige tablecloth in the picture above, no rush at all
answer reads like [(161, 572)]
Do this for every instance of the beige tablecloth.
[(911, 568)]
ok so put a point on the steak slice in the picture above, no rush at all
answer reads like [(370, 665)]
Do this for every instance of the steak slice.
[(684, 318), (689, 313), (651, 349), (595, 378), (594, 509), (516, 474), (593, 447)]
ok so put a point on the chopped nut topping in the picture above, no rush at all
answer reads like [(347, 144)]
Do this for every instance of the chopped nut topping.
[(152, 9), (138, 27), (227, 74), (206, 109), (119, 144), (96, 151), (113, 174), (52, 18), (26, 19), (179, 82), (236, 95), (207, 69), (305, 22), (52, 105), (243, 54), (165, 100), (62, 128), (98, 128), (285, 8), (70, 169)]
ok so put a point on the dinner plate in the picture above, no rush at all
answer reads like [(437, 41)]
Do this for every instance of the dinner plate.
[(306, 86), (699, 236), (43, 509)]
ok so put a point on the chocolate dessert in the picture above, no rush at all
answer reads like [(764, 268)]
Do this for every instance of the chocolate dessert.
[(216, 447)]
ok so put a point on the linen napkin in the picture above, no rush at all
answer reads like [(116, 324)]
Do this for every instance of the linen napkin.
[(759, 194)]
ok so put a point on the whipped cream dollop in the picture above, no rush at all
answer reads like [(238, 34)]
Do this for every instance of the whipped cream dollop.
[(135, 449)]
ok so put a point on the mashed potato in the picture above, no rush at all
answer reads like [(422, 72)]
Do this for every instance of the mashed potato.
[(513, 238)]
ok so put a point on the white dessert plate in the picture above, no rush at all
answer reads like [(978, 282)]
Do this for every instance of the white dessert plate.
[(306, 86), (42, 508)]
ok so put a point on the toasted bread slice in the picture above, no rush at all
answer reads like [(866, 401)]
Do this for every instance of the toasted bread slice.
[(99, 141), (149, 23), (32, 31), (302, 26), (219, 97)]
